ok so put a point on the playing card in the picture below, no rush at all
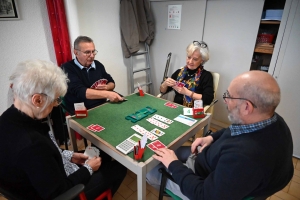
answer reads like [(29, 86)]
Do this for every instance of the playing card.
[(98, 128), (91, 152), (180, 84), (103, 81), (156, 145), (157, 132), (151, 146), (163, 119), (171, 105), (143, 131), (157, 123), (94, 85), (90, 127), (95, 128)]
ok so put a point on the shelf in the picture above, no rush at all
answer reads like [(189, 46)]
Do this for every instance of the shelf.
[(267, 50), (269, 22)]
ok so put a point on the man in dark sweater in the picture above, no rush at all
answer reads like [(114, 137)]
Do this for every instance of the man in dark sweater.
[(83, 72), (251, 158)]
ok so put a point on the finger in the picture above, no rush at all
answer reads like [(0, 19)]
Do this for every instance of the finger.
[(159, 158)]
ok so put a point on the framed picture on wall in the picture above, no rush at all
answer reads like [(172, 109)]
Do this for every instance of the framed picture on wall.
[(9, 10)]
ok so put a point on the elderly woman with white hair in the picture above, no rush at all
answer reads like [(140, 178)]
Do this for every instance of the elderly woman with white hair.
[(32, 166), (197, 82)]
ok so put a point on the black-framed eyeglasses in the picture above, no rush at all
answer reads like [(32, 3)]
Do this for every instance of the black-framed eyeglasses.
[(201, 44), (226, 95), (58, 100), (88, 53)]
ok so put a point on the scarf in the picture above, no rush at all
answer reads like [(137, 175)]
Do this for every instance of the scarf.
[(190, 84)]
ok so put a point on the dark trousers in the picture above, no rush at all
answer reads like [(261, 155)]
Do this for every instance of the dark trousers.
[(183, 153), (109, 175)]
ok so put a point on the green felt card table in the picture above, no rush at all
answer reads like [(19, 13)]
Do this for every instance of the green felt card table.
[(112, 117)]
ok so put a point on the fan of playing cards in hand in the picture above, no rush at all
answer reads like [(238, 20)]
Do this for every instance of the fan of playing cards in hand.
[(179, 84), (91, 152), (99, 82)]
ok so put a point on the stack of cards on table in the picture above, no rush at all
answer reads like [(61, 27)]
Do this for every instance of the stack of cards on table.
[(157, 123), (91, 152), (99, 82), (170, 104), (143, 131), (95, 128), (156, 145), (179, 84), (163, 119)]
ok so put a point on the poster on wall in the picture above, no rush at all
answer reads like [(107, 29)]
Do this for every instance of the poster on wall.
[(8, 10), (174, 16)]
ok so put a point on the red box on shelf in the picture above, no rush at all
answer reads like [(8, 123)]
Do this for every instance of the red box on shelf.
[(198, 113), (81, 113), (264, 38)]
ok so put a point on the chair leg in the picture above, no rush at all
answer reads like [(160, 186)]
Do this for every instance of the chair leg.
[(85, 142), (163, 183), (82, 196), (107, 194)]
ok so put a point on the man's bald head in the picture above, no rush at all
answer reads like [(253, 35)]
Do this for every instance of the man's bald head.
[(260, 88)]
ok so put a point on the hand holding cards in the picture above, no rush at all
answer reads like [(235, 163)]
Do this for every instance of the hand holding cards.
[(99, 82), (91, 152), (179, 84)]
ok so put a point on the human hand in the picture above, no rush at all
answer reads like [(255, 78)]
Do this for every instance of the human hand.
[(169, 82), (166, 156), (94, 163), (181, 90), (203, 142), (79, 158), (114, 97), (102, 87)]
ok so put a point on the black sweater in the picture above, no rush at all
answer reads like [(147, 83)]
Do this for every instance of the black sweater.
[(235, 167), (80, 81), (205, 87), (30, 164)]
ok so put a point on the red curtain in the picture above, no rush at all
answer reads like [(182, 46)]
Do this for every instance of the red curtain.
[(59, 29)]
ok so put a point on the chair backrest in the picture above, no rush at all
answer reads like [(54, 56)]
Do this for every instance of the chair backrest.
[(216, 78)]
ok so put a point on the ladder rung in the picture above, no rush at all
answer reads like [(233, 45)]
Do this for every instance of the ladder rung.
[(139, 70), (139, 53)]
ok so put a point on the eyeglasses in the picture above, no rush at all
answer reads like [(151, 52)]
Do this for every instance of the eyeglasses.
[(88, 53), (227, 95), (58, 100), (201, 44)]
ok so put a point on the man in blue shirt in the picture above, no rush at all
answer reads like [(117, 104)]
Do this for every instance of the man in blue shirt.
[(250, 158), (83, 72)]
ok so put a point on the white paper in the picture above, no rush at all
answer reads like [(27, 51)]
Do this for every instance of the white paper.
[(185, 120), (188, 111), (174, 16)]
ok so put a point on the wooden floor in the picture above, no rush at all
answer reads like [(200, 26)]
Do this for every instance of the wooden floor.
[(128, 189)]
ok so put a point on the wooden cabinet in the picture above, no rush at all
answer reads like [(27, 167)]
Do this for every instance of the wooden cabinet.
[(266, 37)]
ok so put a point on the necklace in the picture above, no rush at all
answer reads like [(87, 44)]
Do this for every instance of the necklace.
[(190, 75)]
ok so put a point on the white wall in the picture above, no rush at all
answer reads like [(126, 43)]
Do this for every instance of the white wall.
[(100, 21), (27, 38)]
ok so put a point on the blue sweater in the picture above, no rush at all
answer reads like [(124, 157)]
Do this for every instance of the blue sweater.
[(235, 167), (80, 81)]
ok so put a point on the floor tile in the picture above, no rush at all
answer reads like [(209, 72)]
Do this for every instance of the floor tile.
[(295, 189), (285, 196)]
